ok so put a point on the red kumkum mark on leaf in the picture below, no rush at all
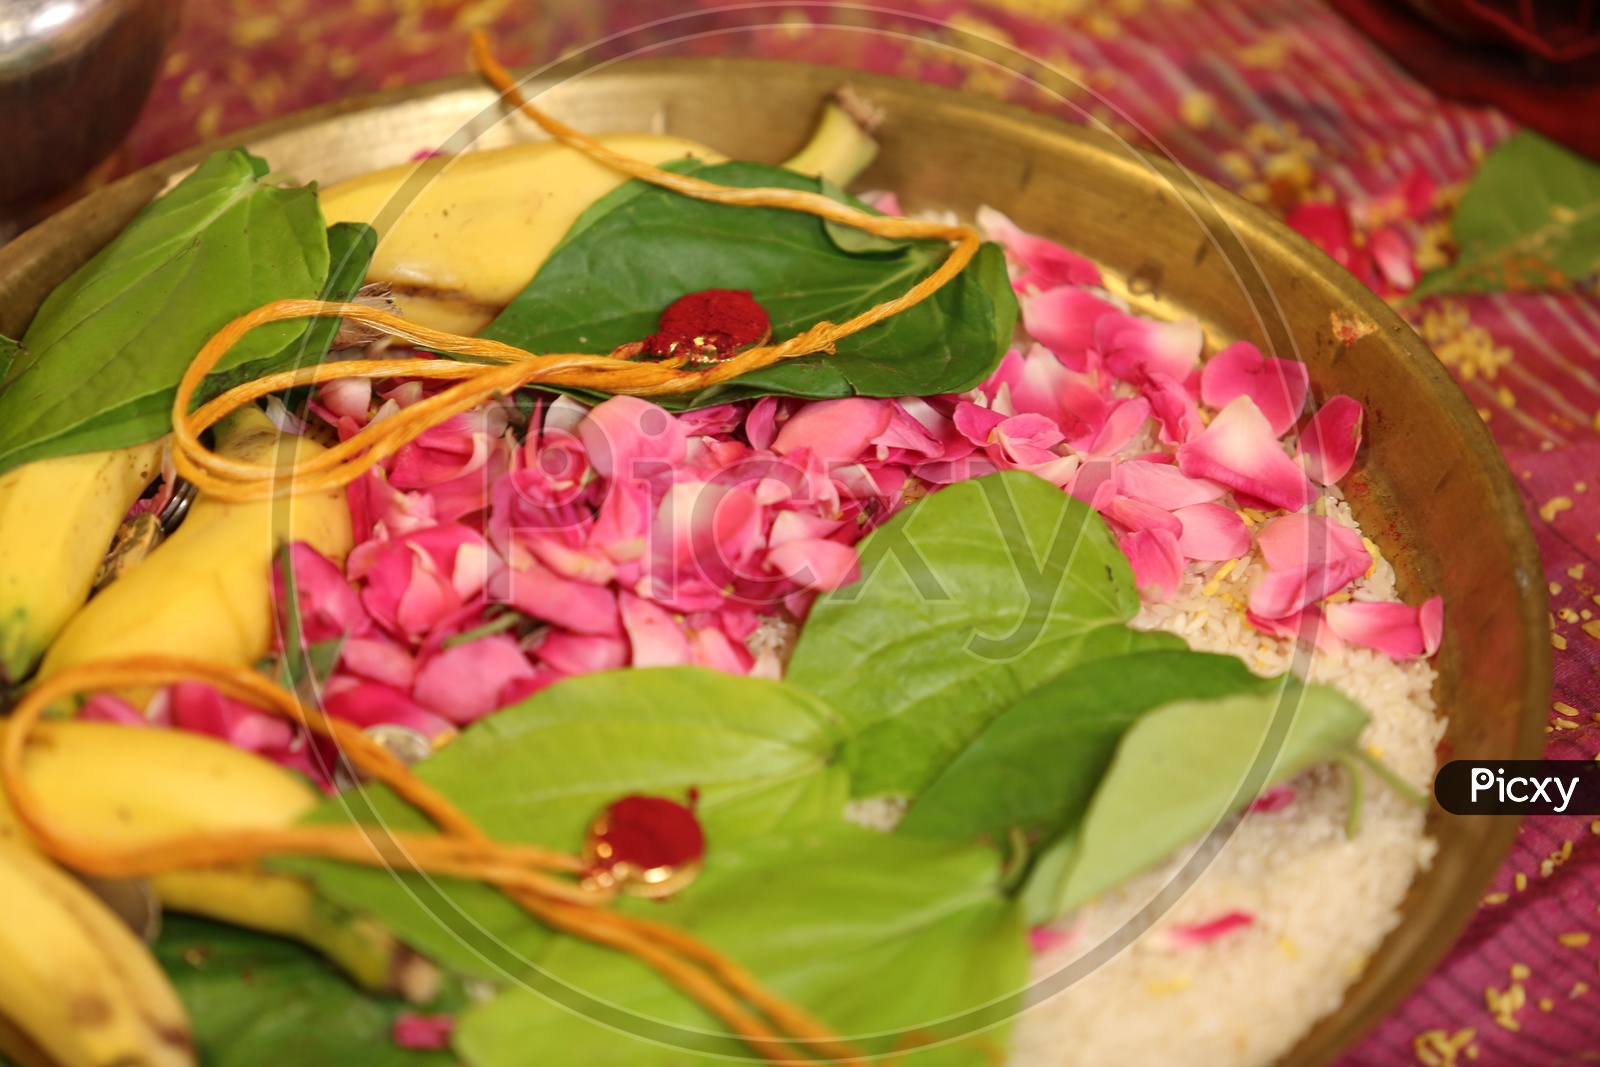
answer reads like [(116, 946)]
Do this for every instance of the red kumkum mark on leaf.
[(708, 326), (650, 846)]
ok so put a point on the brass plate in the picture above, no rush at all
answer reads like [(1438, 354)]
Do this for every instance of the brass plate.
[(1431, 488)]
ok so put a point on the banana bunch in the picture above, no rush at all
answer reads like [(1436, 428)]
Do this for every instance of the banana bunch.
[(460, 237), (206, 591), (77, 988), (130, 786), (57, 517)]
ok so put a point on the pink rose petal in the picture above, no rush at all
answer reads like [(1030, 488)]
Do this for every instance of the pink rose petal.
[(329, 607), (429, 1033), (1393, 256), (632, 439), (715, 650), (1042, 263), (1212, 532), (1278, 386), (108, 707), (1164, 485), (761, 425), (1136, 515), (837, 431), (1156, 560), (572, 653), (1135, 349), (1307, 626), (534, 589), (1042, 939), (1274, 799), (464, 683), (1329, 442), (350, 397), (1193, 935), (815, 564), (378, 659), (1063, 320), (656, 639), (1240, 450), (1172, 404), (198, 707), (1308, 557), (1397, 630), (1124, 420), (363, 703)]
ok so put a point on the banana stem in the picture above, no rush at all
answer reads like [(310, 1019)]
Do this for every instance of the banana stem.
[(842, 145)]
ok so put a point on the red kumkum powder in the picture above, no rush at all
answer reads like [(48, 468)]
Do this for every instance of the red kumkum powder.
[(642, 833), (710, 325)]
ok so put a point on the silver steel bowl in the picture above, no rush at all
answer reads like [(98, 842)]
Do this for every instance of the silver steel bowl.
[(73, 76)]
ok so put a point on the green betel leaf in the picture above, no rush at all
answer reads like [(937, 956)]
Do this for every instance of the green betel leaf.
[(640, 248), (894, 942), (1529, 220), (759, 753), (1036, 766), (107, 348), (969, 599), (259, 1001), (9, 351), (1183, 767)]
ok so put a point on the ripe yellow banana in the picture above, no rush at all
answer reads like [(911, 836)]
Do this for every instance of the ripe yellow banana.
[(459, 237), (77, 988), (131, 785), (57, 518), (205, 592)]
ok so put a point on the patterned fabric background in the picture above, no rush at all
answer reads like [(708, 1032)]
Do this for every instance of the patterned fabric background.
[(1278, 99)]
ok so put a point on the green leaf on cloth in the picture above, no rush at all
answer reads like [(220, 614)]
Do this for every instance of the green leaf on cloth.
[(259, 1001), (969, 599), (1178, 771), (1529, 220), (902, 941), (642, 247), (759, 753), (1035, 767), (107, 348)]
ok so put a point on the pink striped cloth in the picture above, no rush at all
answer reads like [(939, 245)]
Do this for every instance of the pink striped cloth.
[(1270, 97)]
